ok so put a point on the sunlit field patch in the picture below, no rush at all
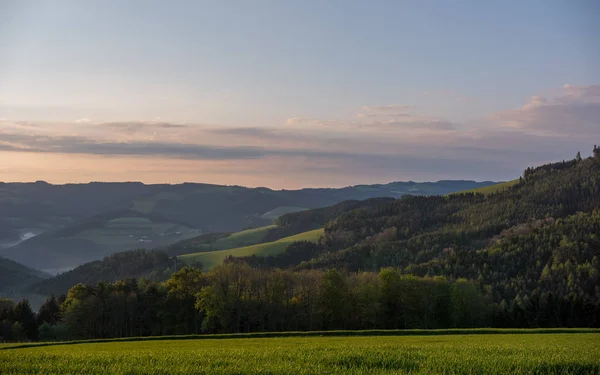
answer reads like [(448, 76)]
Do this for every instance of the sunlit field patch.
[(567, 353)]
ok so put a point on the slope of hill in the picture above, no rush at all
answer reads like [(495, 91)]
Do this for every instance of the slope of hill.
[(491, 189), (532, 248), (537, 239), (65, 248), (287, 225), (302, 221), (218, 241), (211, 259), (279, 211), (32, 208), (14, 277), (153, 265), (421, 227), (74, 224)]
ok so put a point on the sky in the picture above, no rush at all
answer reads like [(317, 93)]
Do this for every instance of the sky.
[(292, 94)]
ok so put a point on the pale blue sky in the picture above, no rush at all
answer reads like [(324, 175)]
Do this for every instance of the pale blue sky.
[(261, 63)]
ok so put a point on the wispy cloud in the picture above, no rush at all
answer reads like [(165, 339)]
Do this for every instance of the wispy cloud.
[(131, 127), (574, 111), (83, 120), (300, 121), (381, 118), (387, 107)]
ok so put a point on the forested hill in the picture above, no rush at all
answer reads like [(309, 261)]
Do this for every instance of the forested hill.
[(533, 244), (415, 230), (58, 227), (40, 206), (151, 265), (14, 276)]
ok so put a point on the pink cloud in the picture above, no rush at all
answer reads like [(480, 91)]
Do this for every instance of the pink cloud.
[(575, 110)]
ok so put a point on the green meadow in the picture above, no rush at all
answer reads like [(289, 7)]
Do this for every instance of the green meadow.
[(243, 238), (528, 353), (212, 258), (496, 188)]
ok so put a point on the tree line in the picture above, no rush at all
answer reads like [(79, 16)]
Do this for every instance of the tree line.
[(235, 297)]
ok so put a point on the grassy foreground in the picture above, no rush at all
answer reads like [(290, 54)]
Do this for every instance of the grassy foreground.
[(212, 258), (548, 353)]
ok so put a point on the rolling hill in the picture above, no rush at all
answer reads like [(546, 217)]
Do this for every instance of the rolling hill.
[(63, 249), (15, 277), (218, 241), (152, 265), (57, 227), (280, 211), (211, 259), (491, 189)]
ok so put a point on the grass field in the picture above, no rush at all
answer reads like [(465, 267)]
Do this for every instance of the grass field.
[(212, 258), (493, 188), (547, 353), (238, 239), (243, 238)]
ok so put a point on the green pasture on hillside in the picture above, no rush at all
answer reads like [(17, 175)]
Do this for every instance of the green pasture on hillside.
[(212, 258), (238, 239), (243, 238), (546, 353), (492, 188)]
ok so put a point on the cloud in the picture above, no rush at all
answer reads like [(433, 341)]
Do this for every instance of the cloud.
[(575, 110), (377, 114), (250, 132), (402, 122), (300, 121), (25, 124), (380, 117), (421, 123), (84, 145), (387, 107), (131, 127), (83, 120)]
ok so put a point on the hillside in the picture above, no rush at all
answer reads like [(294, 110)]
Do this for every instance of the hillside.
[(14, 277), (218, 241), (152, 265), (496, 188), (530, 242), (96, 237), (286, 225), (31, 209), (211, 259), (421, 227), (280, 211)]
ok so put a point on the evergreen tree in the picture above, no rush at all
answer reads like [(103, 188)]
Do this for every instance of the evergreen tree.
[(24, 315)]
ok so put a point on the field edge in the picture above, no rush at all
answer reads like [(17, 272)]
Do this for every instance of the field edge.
[(255, 335)]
